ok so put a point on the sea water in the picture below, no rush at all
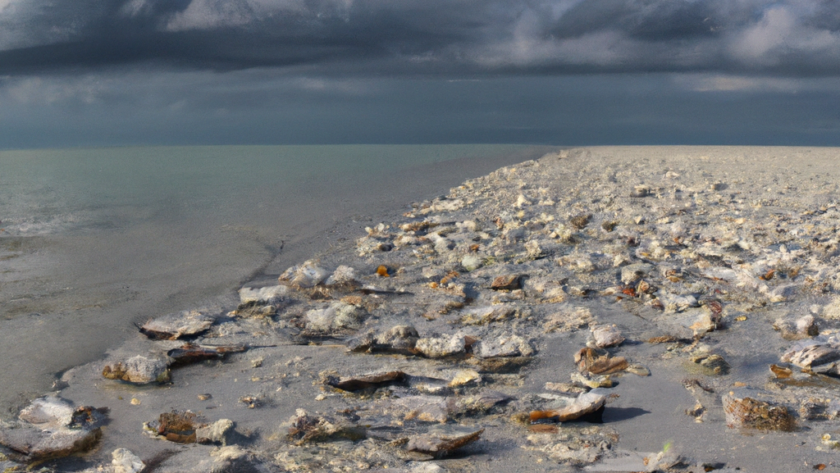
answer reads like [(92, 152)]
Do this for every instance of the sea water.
[(95, 240)]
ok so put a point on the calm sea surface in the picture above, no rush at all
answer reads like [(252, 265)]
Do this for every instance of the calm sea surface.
[(95, 239)]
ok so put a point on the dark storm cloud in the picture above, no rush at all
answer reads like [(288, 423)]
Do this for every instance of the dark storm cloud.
[(793, 37)]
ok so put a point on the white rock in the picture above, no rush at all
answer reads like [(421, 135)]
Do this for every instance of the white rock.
[(343, 275), (471, 262), (336, 316), (267, 295), (126, 462), (48, 411), (441, 347), (606, 335)]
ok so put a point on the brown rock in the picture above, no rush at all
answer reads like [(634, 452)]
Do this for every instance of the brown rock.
[(507, 282), (745, 408), (443, 442)]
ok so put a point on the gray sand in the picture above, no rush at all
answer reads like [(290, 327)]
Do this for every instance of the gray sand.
[(720, 216)]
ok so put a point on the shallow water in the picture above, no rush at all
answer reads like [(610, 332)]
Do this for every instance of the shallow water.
[(93, 241)]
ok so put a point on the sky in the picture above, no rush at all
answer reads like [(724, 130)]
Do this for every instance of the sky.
[(564, 72)]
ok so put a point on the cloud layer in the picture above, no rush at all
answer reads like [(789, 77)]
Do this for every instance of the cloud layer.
[(425, 37)]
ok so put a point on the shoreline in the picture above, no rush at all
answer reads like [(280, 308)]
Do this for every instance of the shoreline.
[(566, 231), (135, 261)]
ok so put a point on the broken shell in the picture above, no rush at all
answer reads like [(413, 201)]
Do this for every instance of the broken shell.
[(587, 406), (597, 361), (382, 271), (175, 326), (507, 282), (189, 353), (443, 442), (375, 380)]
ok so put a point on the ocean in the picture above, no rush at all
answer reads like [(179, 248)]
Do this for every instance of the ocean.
[(96, 240)]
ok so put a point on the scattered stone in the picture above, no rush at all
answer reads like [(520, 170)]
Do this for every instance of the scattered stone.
[(816, 356), (336, 317), (176, 426), (442, 346), (442, 442), (606, 335), (634, 272), (50, 432), (507, 282), (126, 462), (216, 433), (581, 407), (803, 327), (465, 377), (356, 383), (598, 361), (138, 370), (263, 295), (471, 262), (745, 408), (315, 428), (189, 353), (174, 326), (305, 275), (503, 346)]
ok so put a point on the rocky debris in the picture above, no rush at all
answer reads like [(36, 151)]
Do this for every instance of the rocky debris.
[(508, 282), (464, 378), (190, 353), (814, 355), (216, 433), (367, 381), (597, 361), (182, 324), (304, 276), (578, 448), (421, 408), (442, 442), (138, 370), (442, 346), (587, 406), (126, 462), (176, 426), (400, 339), (306, 428), (51, 428), (502, 346), (710, 363), (803, 327), (606, 336), (263, 295), (750, 408), (337, 317)]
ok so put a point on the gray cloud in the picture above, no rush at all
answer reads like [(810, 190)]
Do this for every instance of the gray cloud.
[(421, 37)]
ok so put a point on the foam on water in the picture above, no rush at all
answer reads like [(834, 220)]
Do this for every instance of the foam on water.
[(94, 240)]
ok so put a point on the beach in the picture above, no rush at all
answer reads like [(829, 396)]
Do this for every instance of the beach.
[(595, 309), (97, 240)]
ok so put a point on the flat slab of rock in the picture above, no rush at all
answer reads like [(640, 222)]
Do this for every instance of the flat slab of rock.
[(444, 441), (47, 431), (585, 404), (178, 325)]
